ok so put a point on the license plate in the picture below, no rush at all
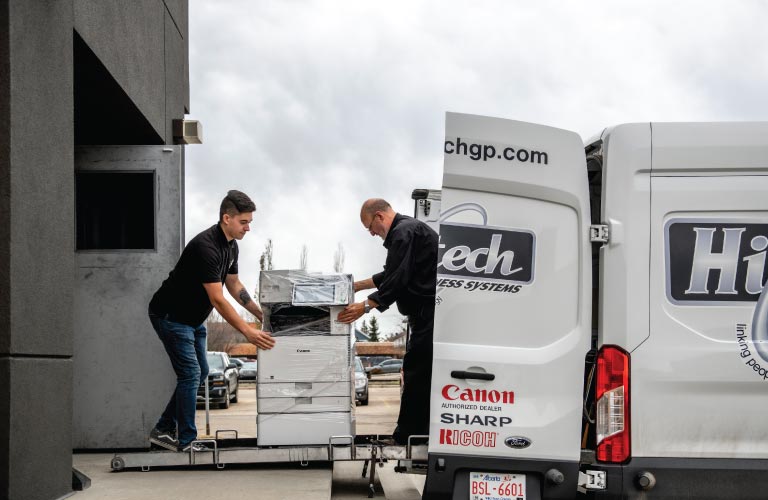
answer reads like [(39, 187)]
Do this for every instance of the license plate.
[(496, 486)]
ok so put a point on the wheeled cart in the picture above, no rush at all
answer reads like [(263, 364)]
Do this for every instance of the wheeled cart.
[(369, 449), (305, 390)]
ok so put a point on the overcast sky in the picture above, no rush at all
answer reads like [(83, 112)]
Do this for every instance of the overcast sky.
[(311, 107)]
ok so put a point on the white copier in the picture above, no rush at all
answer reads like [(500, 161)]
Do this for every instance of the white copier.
[(305, 390)]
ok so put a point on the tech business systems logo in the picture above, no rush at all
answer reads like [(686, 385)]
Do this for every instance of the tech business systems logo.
[(486, 253)]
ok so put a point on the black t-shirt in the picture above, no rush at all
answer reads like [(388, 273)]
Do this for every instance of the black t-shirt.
[(410, 272), (208, 258)]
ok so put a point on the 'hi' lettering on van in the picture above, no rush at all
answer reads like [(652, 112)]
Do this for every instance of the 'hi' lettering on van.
[(711, 261), (486, 253)]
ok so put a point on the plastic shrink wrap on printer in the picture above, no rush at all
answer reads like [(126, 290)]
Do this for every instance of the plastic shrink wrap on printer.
[(303, 389), (300, 288), (320, 404), (307, 359), (278, 429), (284, 319), (305, 392)]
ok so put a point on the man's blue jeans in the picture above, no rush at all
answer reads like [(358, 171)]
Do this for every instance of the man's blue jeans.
[(186, 348)]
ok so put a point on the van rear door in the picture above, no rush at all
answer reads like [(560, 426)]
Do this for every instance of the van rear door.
[(512, 321)]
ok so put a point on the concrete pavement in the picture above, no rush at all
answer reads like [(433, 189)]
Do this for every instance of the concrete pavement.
[(283, 482), (343, 481), (348, 483)]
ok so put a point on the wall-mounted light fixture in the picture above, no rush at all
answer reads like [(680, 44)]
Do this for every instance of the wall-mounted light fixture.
[(187, 132)]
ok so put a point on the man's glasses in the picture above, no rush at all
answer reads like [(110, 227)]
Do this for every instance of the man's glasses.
[(372, 221)]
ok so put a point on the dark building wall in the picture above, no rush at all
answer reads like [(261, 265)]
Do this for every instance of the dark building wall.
[(143, 46), (36, 291), (118, 398), (5, 186), (177, 88), (41, 180), (40, 446), (179, 11)]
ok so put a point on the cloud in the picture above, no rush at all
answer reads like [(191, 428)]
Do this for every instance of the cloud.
[(312, 107)]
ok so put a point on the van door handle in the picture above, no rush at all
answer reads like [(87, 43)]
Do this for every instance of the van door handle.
[(472, 375)]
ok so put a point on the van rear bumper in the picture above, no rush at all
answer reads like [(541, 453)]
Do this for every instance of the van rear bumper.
[(700, 478), (448, 476)]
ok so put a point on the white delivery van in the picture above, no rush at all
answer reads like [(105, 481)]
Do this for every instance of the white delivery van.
[(597, 325)]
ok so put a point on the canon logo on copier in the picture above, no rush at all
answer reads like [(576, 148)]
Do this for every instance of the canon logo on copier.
[(485, 253), (715, 261)]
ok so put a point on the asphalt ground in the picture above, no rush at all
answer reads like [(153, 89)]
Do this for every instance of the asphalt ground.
[(342, 481)]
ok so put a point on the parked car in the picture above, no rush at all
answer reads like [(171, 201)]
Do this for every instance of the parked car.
[(371, 361), (222, 381), (238, 362), (361, 383), (388, 366), (249, 370)]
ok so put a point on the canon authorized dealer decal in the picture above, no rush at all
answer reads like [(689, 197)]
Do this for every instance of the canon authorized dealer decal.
[(473, 417), (485, 258)]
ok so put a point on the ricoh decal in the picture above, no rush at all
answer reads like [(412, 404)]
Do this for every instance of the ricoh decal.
[(482, 257), (466, 438), (722, 262)]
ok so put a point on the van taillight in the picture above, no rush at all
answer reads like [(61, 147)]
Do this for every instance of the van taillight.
[(612, 386)]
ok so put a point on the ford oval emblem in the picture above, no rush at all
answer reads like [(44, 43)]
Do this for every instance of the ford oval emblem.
[(517, 442)]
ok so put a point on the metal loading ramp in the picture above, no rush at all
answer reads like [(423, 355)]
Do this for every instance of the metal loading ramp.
[(370, 450)]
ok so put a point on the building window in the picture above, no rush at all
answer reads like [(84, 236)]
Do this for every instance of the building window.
[(115, 210)]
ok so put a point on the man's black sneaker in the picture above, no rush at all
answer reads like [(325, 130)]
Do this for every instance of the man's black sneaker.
[(194, 447), (163, 439)]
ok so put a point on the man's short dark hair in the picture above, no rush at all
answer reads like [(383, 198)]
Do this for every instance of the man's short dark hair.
[(236, 202)]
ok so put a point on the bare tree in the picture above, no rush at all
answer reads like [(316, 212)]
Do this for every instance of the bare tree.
[(265, 261), (221, 335), (338, 259), (303, 257)]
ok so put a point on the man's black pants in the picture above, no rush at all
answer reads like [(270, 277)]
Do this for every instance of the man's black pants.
[(417, 378)]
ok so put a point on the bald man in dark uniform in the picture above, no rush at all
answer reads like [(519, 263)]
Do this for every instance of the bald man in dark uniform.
[(408, 279)]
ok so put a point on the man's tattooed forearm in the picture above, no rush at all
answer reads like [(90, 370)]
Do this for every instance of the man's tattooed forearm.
[(244, 297)]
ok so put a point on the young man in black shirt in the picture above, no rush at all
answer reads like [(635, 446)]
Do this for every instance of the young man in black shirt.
[(178, 311), (409, 279)]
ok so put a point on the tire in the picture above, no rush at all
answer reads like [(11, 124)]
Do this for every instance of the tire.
[(225, 404), (364, 402)]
